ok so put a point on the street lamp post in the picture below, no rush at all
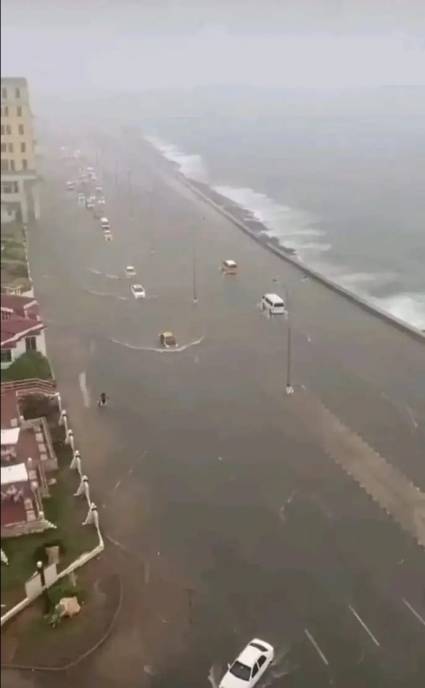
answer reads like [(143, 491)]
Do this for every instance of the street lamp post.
[(289, 389), (40, 569), (194, 273)]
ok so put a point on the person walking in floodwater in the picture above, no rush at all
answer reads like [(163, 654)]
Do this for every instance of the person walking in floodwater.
[(103, 399)]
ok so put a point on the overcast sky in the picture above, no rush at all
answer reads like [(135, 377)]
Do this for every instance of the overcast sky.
[(134, 44)]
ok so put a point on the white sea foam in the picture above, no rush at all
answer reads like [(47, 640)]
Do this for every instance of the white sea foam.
[(295, 228), (407, 306), (191, 165), (290, 226)]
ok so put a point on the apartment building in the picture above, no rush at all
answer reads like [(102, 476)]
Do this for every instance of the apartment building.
[(19, 189)]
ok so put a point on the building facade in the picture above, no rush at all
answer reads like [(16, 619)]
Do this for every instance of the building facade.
[(19, 180), (22, 329)]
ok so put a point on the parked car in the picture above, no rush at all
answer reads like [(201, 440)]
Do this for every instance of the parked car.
[(104, 223), (70, 186), (138, 291), (249, 666), (130, 271), (107, 235), (273, 303), (90, 202), (167, 340)]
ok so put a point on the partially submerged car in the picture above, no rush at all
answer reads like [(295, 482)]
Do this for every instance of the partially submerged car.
[(249, 666), (130, 271), (70, 186), (167, 340), (138, 291), (104, 223), (229, 267), (107, 235)]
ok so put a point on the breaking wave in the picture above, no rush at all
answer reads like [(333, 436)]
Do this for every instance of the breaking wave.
[(299, 230)]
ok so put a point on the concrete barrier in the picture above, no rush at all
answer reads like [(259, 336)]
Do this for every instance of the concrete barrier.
[(331, 284)]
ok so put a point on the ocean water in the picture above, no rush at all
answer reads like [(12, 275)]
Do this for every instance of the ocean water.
[(340, 180)]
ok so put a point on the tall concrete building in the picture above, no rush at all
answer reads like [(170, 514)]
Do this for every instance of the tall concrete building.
[(19, 190)]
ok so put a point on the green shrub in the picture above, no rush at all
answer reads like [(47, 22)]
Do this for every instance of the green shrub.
[(16, 269), (29, 365)]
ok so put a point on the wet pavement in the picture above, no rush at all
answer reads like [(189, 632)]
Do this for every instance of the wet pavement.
[(230, 517)]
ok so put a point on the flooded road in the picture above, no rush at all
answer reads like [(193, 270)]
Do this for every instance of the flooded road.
[(236, 519)]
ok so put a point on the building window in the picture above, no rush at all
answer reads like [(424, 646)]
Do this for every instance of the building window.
[(6, 356), (3, 148), (19, 111), (23, 147), (10, 187), (10, 147), (18, 92), (12, 165), (31, 343), (4, 93), (24, 164), (4, 165), (8, 129), (21, 129)]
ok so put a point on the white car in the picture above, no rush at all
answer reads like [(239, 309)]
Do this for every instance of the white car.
[(107, 235), (138, 291), (274, 304), (101, 201), (90, 202), (130, 271), (104, 223), (70, 186), (249, 667)]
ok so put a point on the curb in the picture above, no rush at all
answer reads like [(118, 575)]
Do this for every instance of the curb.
[(84, 655)]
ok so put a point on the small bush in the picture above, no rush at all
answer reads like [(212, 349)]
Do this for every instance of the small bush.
[(64, 589), (29, 365)]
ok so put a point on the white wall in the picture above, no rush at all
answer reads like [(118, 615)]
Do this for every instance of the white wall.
[(21, 349)]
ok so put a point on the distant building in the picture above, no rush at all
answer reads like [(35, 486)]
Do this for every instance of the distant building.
[(19, 190)]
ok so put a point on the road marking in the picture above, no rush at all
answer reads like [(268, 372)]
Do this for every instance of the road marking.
[(414, 612), (82, 378), (316, 646), (412, 417), (363, 625)]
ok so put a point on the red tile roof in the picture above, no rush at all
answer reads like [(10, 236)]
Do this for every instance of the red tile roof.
[(9, 408), (14, 329), (18, 304)]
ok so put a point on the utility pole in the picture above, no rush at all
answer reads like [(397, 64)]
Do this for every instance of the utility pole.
[(194, 274), (288, 383), (288, 388), (130, 194)]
